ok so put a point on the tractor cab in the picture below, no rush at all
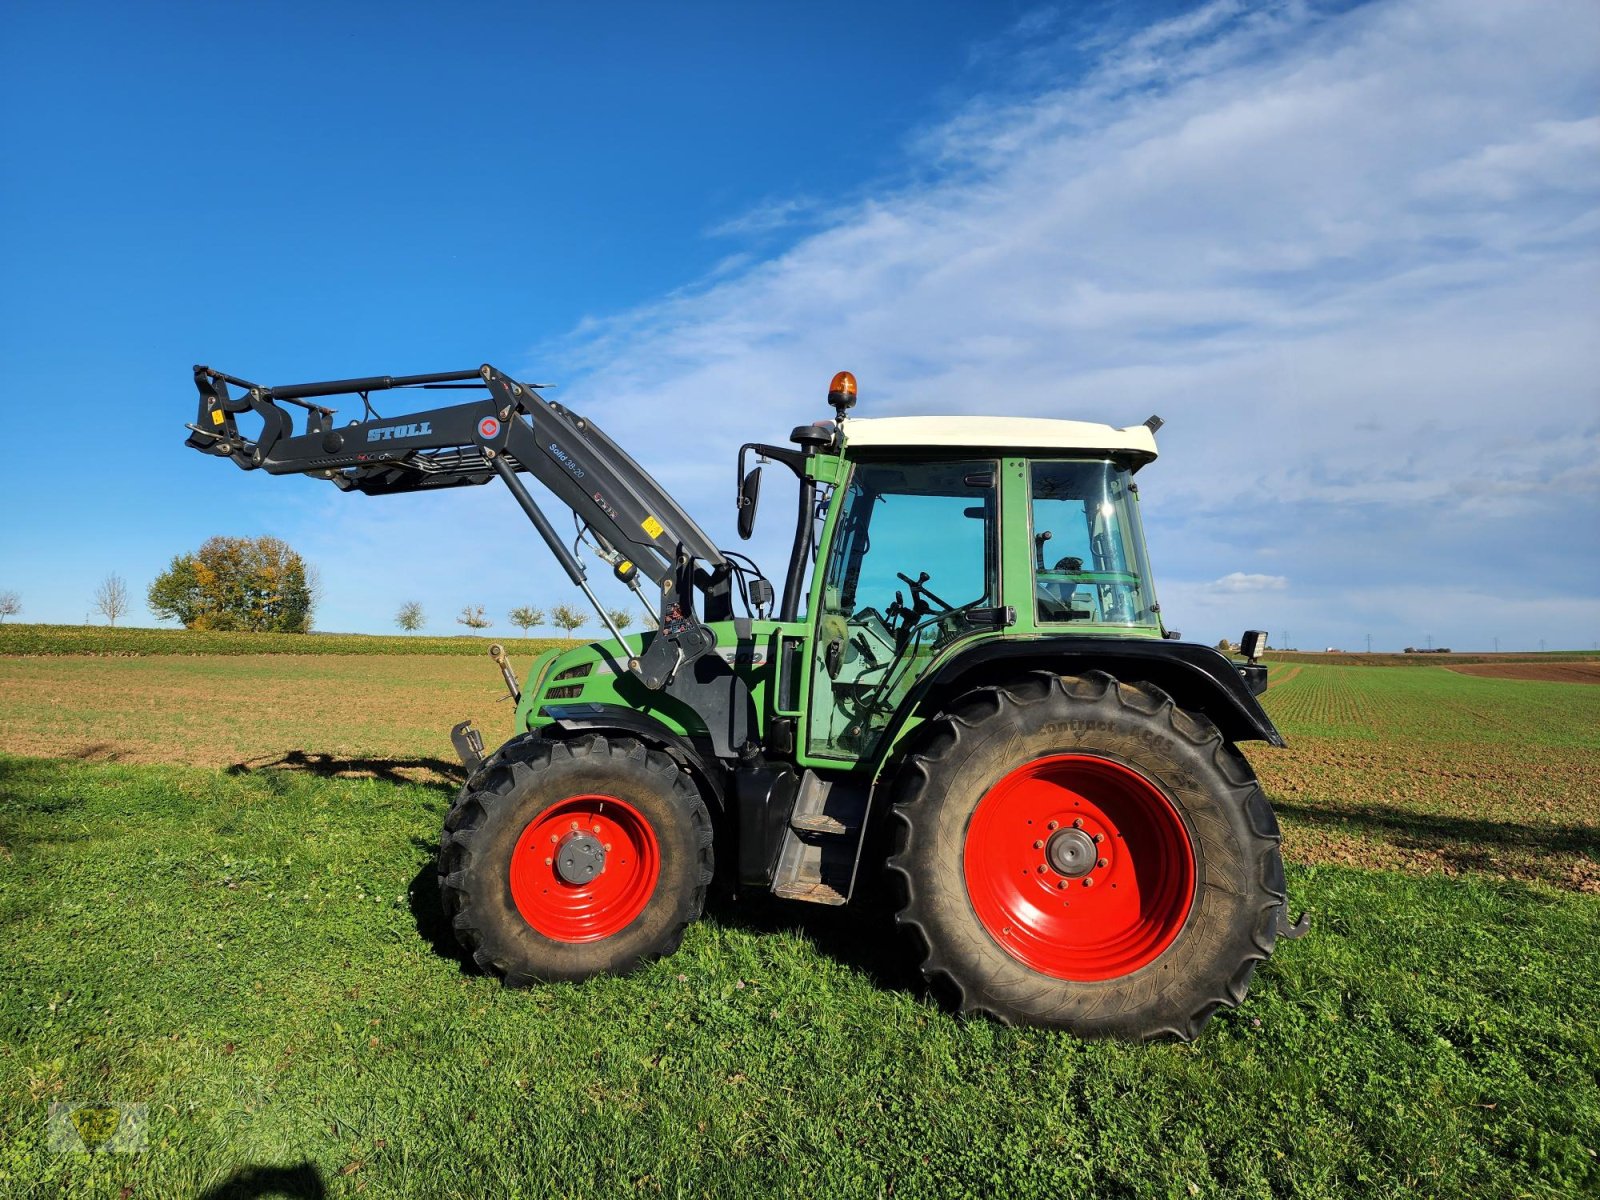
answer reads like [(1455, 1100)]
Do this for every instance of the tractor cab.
[(943, 532)]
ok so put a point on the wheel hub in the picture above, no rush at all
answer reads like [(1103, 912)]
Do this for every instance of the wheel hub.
[(1070, 852), (579, 858)]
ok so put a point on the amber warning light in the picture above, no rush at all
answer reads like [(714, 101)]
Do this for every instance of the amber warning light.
[(842, 393)]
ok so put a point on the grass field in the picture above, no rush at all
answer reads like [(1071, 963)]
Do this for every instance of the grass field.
[(18, 640), (249, 942)]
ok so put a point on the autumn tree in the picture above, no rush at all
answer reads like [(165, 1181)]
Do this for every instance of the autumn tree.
[(410, 617), (567, 618), (526, 617), (472, 617), (254, 584)]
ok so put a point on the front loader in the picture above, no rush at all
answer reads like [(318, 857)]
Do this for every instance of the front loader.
[(972, 689)]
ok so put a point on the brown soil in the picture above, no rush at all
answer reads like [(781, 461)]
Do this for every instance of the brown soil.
[(386, 717), (1551, 672)]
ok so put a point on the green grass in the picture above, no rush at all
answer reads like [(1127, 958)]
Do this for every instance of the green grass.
[(258, 957), (1351, 658), (1432, 705), (256, 953), (101, 640)]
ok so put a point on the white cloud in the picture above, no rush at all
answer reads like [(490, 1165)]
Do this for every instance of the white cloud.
[(1235, 582), (1351, 258)]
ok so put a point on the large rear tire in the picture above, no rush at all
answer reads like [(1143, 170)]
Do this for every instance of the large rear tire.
[(566, 859), (1083, 854)]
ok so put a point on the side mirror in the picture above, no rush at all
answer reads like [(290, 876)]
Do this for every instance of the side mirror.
[(749, 495)]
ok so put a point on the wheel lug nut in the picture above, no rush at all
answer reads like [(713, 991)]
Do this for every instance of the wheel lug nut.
[(574, 825), (1061, 883), (1088, 881), (1077, 822), (1038, 845), (1100, 862), (549, 861), (1053, 825), (1099, 837), (1040, 868)]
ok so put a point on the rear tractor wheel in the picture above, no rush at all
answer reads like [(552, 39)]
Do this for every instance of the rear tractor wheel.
[(562, 860), (1083, 854)]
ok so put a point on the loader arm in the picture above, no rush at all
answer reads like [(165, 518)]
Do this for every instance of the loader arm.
[(637, 527)]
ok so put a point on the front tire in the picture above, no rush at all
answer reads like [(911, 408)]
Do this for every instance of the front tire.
[(1082, 854), (561, 860)]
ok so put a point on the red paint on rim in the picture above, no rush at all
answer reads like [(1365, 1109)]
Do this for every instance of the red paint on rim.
[(608, 903), (1105, 924)]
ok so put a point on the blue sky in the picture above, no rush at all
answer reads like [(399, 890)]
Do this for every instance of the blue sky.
[(1350, 253)]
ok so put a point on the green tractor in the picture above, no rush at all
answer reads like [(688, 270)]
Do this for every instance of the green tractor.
[(967, 684)]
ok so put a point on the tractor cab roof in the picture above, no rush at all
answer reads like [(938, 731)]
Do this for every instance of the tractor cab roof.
[(1026, 434)]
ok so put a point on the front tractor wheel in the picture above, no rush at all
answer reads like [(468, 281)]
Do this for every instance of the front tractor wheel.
[(562, 860), (1083, 854)]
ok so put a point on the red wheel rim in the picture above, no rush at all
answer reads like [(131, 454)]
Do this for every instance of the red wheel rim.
[(1104, 915), (606, 904)]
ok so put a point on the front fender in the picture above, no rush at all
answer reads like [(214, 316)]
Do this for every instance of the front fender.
[(570, 720)]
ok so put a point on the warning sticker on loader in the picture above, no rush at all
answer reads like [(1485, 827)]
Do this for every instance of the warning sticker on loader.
[(652, 526)]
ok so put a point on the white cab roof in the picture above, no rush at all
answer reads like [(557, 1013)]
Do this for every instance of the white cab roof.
[(999, 433)]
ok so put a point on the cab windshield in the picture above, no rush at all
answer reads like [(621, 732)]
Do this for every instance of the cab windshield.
[(1088, 546)]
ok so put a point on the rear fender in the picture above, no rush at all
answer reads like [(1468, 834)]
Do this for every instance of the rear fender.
[(1198, 678)]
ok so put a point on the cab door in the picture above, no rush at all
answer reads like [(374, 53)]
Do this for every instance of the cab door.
[(911, 568)]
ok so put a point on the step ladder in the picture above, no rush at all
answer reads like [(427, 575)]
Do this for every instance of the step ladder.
[(822, 846)]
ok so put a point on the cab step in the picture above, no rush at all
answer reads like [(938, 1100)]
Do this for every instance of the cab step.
[(822, 846)]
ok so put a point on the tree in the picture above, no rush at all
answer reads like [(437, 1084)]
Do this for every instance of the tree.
[(1225, 646), (620, 617), (526, 617), (472, 617), (410, 617), (568, 618), (254, 584), (111, 598), (10, 605)]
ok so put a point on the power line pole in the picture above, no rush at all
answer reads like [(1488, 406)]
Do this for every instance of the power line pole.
[(1369, 643), (1497, 645)]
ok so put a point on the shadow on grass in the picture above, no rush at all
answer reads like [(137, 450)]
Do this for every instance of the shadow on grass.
[(1553, 854), (433, 926), (861, 935), (300, 1182), (1438, 832), (447, 775)]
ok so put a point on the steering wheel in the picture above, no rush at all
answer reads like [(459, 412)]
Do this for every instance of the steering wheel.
[(919, 592)]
